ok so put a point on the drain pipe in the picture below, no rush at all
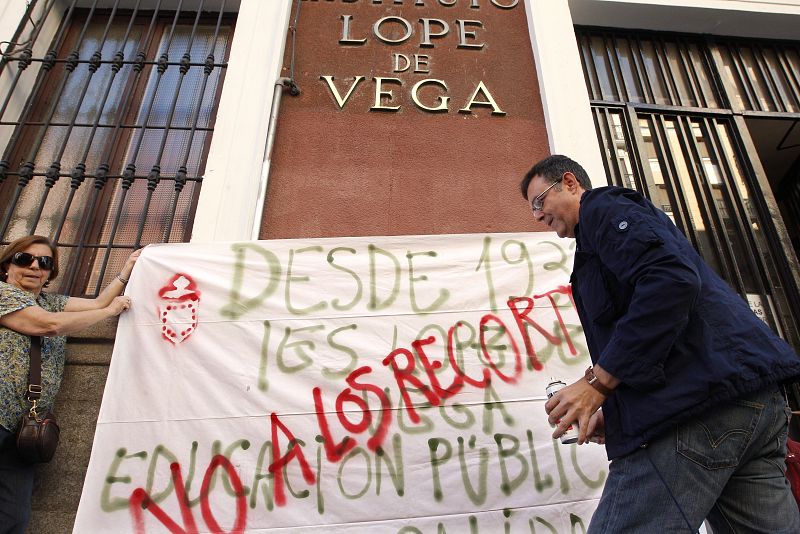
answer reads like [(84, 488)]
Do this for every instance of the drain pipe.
[(281, 84)]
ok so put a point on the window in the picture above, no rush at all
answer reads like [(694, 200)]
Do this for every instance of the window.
[(108, 151), (646, 68), (764, 75), (665, 107)]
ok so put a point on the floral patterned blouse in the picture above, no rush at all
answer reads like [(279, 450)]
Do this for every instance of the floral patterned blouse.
[(15, 356)]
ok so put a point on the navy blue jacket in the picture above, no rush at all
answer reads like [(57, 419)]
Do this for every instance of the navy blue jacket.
[(658, 318)]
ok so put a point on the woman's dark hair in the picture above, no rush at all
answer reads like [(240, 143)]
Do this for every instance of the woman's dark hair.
[(18, 245), (552, 168)]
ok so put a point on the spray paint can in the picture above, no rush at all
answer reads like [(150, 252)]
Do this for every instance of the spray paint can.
[(571, 434)]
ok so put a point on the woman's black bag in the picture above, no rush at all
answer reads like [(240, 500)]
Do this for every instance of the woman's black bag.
[(37, 435)]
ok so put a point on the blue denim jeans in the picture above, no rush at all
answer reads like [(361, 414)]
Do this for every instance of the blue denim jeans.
[(726, 466), (16, 486)]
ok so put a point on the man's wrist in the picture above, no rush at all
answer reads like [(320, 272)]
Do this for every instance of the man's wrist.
[(595, 382)]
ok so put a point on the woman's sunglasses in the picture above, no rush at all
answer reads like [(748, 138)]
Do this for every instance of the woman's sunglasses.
[(25, 259)]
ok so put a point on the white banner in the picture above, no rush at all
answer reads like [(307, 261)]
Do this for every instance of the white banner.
[(381, 384)]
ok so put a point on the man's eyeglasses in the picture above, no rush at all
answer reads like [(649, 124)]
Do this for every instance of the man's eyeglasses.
[(538, 202), (25, 259)]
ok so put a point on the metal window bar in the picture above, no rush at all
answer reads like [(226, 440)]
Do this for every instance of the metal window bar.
[(790, 74), (778, 79), (53, 172), (668, 72), (614, 171), (612, 55), (737, 209), (768, 74), (602, 124), (155, 171), (767, 71), (692, 79), (101, 175), (675, 77), (7, 56), (77, 214), (130, 168), (100, 126), (708, 207), (80, 169), (626, 92), (678, 200), (592, 83), (676, 205), (665, 94), (649, 95), (685, 72), (752, 102), (25, 173), (639, 71), (602, 65), (758, 65), (785, 76), (180, 180), (78, 174), (634, 80), (25, 56), (717, 95)]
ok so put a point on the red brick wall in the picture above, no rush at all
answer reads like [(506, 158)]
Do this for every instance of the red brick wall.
[(352, 171)]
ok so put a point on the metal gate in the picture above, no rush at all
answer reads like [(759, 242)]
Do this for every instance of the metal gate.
[(669, 110)]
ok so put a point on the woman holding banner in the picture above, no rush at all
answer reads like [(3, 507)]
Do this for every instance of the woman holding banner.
[(27, 265)]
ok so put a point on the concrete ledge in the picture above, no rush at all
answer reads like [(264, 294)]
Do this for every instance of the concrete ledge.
[(94, 352), (106, 329)]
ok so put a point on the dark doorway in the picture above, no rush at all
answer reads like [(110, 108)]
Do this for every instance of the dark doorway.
[(778, 144)]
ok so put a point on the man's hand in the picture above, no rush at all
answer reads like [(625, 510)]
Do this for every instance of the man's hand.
[(597, 428), (576, 403)]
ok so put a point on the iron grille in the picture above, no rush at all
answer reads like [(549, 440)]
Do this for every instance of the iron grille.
[(651, 68), (679, 70), (694, 168), (664, 108), (764, 75), (106, 119)]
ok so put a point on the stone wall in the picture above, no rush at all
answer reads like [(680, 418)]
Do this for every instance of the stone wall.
[(58, 485)]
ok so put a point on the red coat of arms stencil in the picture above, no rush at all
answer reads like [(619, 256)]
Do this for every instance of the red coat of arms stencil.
[(180, 302)]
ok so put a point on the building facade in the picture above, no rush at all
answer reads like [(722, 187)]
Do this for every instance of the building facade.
[(129, 122)]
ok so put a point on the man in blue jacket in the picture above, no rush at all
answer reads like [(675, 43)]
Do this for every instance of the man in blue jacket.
[(693, 416)]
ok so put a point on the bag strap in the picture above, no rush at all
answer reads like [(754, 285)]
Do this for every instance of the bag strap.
[(35, 371)]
